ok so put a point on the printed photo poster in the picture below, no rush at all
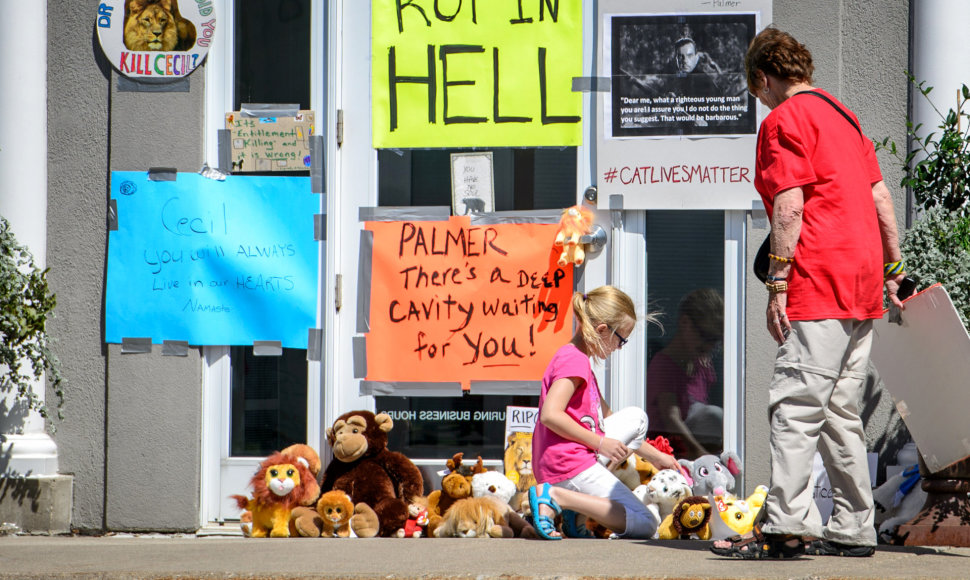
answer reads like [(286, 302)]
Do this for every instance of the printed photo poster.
[(453, 302), (680, 74), (212, 262), (520, 422), (476, 74), (163, 40)]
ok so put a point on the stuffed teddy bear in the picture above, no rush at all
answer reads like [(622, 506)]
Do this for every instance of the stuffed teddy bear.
[(637, 471), (454, 486), (575, 222), (736, 516), (713, 475), (663, 492), (691, 517), (378, 480), (282, 484)]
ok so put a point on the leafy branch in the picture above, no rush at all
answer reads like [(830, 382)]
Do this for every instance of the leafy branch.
[(26, 303)]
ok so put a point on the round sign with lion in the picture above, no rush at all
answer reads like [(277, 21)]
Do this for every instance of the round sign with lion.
[(158, 39)]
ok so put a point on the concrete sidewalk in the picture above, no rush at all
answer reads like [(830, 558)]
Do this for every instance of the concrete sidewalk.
[(188, 557)]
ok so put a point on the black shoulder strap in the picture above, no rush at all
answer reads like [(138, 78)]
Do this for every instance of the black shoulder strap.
[(834, 106)]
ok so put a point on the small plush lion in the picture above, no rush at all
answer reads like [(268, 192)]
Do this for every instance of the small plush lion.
[(691, 517), (281, 484), (335, 509)]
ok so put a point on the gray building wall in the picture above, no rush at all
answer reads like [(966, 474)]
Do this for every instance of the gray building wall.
[(131, 437), (863, 64)]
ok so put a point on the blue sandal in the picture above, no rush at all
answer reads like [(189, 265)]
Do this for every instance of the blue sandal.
[(571, 528), (544, 525)]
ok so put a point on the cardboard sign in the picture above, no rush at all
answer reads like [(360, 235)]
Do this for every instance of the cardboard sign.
[(270, 143), (476, 74), (452, 302), (163, 41), (212, 262), (924, 364)]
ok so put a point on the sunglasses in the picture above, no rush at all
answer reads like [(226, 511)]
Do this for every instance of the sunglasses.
[(618, 336)]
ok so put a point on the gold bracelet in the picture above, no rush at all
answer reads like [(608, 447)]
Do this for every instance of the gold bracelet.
[(780, 259), (776, 287)]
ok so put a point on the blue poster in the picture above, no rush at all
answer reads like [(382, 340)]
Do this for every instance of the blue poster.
[(212, 262)]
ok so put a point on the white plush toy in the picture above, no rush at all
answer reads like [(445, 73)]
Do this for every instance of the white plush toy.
[(898, 501), (662, 493), (493, 484)]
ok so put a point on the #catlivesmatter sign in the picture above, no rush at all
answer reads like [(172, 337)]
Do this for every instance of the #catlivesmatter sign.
[(155, 39), (450, 301), (483, 74)]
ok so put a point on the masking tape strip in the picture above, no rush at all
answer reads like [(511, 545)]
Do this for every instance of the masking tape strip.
[(223, 139), (903, 409), (616, 201), (517, 217), (320, 227), (428, 213), (359, 344), (314, 344), (162, 174), (592, 84), (364, 266), (175, 348), (407, 389), (317, 150), (152, 85), (136, 345), (505, 388), (113, 215), (269, 110), (267, 348)]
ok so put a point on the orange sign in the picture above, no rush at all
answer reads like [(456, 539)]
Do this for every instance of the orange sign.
[(452, 302)]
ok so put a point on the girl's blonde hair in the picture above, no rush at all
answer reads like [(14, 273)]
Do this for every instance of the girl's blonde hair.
[(604, 305)]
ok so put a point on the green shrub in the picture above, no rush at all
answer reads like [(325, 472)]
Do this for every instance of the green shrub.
[(26, 304), (937, 249)]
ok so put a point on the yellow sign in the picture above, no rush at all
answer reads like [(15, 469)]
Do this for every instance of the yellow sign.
[(454, 73)]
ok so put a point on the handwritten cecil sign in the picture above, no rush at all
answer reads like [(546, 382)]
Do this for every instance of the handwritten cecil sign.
[(270, 143), (158, 39), (456, 302), (482, 74), (212, 262)]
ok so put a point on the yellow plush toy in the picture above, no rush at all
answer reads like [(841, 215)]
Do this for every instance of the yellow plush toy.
[(282, 484), (575, 222), (738, 514), (691, 517)]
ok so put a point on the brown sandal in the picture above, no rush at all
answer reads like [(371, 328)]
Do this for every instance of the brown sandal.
[(761, 546)]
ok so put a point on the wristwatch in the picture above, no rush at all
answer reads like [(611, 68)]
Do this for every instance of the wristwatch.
[(776, 287)]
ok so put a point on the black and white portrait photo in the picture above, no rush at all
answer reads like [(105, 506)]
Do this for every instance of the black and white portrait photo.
[(681, 75)]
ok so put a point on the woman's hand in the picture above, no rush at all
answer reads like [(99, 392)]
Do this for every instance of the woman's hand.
[(778, 324)]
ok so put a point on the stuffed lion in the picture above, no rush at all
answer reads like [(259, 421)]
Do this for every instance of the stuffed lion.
[(575, 222), (282, 483)]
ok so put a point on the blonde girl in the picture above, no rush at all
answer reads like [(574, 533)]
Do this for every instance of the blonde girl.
[(578, 438)]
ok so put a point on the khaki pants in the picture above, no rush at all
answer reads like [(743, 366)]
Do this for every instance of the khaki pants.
[(814, 401)]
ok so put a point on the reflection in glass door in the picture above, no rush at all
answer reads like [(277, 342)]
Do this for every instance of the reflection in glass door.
[(685, 373)]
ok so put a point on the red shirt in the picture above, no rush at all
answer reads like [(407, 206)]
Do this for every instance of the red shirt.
[(837, 273)]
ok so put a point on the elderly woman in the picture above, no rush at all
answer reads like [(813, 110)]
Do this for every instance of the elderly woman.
[(834, 245)]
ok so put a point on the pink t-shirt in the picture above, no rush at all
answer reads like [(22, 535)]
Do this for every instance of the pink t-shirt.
[(554, 458), (666, 376)]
